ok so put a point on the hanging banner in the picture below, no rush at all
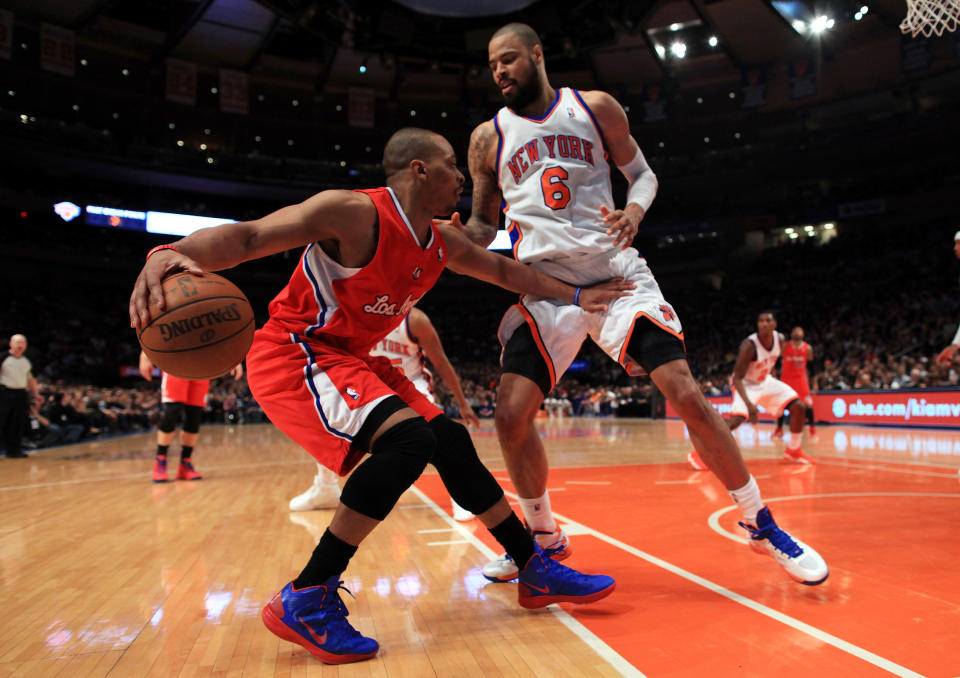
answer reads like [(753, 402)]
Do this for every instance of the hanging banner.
[(361, 107), (754, 86), (182, 82), (654, 104), (233, 92), (6, 34), (57, 49), (802, 76)]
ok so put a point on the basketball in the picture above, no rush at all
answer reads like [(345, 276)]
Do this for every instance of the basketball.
[(204, 330)]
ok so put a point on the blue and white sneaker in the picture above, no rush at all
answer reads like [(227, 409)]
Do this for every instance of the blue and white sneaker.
[(555, 545), (544, 581), (316, 618), (801, 562)]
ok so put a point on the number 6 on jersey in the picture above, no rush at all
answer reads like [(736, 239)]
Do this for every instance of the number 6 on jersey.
[(556, 194)]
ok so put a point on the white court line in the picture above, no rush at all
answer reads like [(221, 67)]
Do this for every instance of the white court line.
[(588, 482), (445, 543), (676, 482), (714, 520), (776, 615), (885, 468), (442, 529), (607, 653)]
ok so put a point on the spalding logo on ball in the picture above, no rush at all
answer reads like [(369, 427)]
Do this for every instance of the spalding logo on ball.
[(205, 329)]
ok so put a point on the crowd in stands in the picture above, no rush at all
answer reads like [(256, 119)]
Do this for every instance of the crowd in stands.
[(877, 305)]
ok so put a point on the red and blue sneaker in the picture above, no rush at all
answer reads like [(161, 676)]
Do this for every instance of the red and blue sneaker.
[(544, 581), (186, 471), (160, 469), (316, 618)]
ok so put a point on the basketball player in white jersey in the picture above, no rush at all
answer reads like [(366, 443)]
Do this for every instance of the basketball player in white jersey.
[(545, 155), (754, 385), (407, 347)]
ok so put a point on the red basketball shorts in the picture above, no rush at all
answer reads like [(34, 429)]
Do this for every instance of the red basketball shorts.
[(187, 391), (320, 396)]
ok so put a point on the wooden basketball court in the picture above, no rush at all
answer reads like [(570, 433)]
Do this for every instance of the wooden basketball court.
[(106, 574)]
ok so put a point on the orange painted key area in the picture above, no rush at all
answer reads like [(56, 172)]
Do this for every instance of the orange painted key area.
[(105, 574)]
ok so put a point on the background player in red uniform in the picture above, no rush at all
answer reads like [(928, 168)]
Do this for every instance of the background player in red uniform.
[(796, 356), (370, 256), (183, 399)]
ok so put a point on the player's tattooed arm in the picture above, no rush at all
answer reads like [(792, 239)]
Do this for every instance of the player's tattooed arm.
[(484, 219)]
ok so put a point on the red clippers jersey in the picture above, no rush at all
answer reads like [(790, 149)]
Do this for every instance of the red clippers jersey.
[(354, 308), (794, 362)]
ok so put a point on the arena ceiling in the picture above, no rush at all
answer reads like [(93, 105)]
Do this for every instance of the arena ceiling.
[(611, 43)]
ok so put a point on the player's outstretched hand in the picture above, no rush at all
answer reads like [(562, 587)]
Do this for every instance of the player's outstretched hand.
[(595, 298), (946, 355), (148, 290), (624, 223)]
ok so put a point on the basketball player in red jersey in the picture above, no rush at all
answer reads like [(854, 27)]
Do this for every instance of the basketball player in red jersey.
[(797, 354), (183, 399), (545, 155), (370, 256)]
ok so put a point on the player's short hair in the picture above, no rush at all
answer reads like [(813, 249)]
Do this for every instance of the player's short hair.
[(527, 35), (406, 144), (768, 312)]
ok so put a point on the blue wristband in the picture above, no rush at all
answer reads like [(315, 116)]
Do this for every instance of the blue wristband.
[(576, 296)]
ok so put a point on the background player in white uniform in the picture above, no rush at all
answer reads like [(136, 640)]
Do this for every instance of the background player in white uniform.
[(406, 347), (754, 385), (545, 155)]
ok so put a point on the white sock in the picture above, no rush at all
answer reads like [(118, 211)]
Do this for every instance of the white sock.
[(748, 499), (325, 476), (537, 513), (794, 442)]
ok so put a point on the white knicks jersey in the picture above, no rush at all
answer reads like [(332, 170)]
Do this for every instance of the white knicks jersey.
[(554, 176), (761, 368), (400, 348)]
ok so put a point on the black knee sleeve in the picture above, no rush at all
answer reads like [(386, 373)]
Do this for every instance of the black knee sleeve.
[(396, 460), (171, 417), (466, 478), (191, 419)]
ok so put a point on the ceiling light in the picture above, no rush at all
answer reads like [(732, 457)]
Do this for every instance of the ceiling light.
[(828, 226), (660, 50), (798, 25), (712, 41), (674, 27), (857, 16), (678, 49), (203, 147), (820, 24), (864, 9)]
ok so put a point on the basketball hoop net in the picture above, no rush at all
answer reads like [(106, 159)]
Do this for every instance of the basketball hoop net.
[(930, 17)]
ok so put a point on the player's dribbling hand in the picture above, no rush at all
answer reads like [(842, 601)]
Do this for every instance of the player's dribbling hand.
[(595, 297), (624, 223), (148, 291), (753, 414)]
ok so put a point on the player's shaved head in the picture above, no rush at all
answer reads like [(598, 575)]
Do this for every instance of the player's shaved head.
[(407, 144), (527, 35)]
